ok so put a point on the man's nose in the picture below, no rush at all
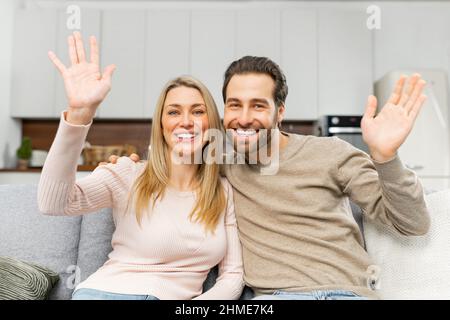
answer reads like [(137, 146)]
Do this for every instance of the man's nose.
[(245, 118)]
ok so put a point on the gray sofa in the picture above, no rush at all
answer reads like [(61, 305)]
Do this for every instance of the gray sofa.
[(75, 247)]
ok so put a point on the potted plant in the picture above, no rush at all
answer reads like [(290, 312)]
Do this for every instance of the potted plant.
[(24, 153)]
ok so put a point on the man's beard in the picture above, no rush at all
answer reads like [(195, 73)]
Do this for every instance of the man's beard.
[(253, 150)]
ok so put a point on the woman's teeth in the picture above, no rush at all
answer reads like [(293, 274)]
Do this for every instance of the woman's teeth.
[(246, 132), (185, 136)]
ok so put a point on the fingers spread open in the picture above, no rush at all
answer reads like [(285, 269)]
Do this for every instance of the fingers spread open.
[(418, 90), (407, 95), (403, 100), (72, 50), (417, 106), (94, 50), (398, 90), (107, 73), (80, 47), (412, 83), (59, 65), (393, 98), (371, 107)]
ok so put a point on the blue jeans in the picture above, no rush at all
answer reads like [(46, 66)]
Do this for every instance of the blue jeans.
[(312, 295), (92, 294)]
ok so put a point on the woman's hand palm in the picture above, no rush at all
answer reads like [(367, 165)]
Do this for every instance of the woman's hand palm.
[(85, 86)]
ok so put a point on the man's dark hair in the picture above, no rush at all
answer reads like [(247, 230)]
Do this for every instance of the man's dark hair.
[(250, 64)]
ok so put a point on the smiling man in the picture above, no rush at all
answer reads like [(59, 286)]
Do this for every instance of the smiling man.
[(251, 109), (299, 238)]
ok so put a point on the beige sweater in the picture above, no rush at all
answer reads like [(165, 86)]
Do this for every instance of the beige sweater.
[(296, 227), (168, 256)]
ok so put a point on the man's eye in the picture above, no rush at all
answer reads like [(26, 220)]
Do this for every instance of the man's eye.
[(233, 105), (259, 106)]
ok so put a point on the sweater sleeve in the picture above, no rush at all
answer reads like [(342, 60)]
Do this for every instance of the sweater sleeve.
[(229, 283), (387, 192), (59, 193)]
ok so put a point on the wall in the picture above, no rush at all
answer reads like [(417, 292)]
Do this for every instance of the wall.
[(418, 42), (9, 129), (412, 36)]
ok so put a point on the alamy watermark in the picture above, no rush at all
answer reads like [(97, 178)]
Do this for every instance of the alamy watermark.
[(75, 276), (373, 277), (73, 21), (374, 20)]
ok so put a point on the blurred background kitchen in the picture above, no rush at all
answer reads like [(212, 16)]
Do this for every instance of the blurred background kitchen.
[(334, 55)]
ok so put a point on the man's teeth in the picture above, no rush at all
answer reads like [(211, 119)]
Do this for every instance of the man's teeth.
[(185, 135), (246, 132)]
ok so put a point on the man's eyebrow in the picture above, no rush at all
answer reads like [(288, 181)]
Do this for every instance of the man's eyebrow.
[(260, 100), (233, 100)]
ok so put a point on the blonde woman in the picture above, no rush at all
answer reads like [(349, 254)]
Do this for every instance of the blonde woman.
[(174, 220)]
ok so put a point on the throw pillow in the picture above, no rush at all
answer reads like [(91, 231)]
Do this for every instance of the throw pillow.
[(20, 280)]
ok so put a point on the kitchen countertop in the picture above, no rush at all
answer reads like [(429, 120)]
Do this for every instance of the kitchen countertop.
[(39, 169)]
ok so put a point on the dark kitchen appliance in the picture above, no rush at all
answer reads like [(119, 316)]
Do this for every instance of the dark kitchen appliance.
[(347, 128)]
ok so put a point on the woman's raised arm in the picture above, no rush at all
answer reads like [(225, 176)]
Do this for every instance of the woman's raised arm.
[(59, 192)]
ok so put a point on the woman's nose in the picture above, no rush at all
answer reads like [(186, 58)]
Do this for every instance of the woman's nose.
[(187, 120)]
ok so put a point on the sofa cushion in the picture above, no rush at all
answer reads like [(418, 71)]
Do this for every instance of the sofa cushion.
[(95, 242), (20, 280), (28, 235), (414, 267)]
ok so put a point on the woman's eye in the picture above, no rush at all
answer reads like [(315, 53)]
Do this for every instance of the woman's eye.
[(172, 112), (199, 112)]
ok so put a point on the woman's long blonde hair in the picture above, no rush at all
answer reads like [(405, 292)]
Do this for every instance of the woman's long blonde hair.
[(151, 184)]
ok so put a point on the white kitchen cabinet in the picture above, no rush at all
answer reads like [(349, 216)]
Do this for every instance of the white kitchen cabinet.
[(167, 52), (299, 63), (410, 39), (90, 25), (123, 44), (258, 33), (212, 49), (344, 62), (33, 75)]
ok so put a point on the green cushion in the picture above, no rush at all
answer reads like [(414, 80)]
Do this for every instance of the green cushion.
[(25, 281)]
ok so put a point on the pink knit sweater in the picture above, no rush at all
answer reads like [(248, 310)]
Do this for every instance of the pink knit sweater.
[(168, 256)]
